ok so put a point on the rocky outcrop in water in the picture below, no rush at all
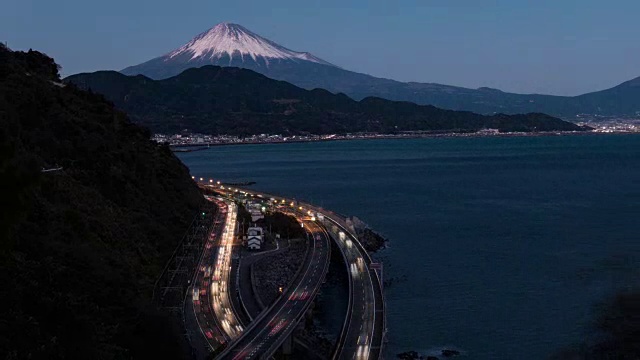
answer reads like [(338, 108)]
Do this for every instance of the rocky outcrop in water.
[(450, 353), (371, 240), (409, 355), (388, 282), (413, 355)]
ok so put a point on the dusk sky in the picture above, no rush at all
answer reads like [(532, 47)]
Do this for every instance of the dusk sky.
[(564, 47)]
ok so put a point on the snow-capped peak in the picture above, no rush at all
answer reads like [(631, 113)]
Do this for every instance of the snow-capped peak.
[(233, 40)]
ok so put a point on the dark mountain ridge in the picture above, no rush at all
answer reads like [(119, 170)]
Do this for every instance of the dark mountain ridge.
[(234, 46), (224, 100)]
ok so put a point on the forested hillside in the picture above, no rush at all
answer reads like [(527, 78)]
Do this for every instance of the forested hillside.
[(225, 100), (91, 210)]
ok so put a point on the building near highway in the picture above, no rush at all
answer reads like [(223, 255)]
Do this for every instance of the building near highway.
[(255, 238), (256, 210)]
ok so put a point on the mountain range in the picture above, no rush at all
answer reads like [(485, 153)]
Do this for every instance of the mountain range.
[(231, 100), (233, 45)]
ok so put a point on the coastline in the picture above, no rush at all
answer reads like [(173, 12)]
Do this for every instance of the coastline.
[(430, 275), (204, 146)]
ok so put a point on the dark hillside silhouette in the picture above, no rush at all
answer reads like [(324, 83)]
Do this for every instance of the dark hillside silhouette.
[(91, 211)]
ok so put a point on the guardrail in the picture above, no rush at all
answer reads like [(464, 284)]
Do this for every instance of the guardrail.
[(330, 215), (347, 319), (339, 221), (368, 260), (261, 316), (272, 349), (217, 217)]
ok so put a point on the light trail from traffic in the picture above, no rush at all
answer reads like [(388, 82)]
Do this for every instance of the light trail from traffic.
[(363, 332), (220, 284), (278, 322)]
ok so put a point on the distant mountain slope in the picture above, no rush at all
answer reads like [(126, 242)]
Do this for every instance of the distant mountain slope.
[(621, 99), (233, 45), (219, 100), (83, 242), (228, 44)]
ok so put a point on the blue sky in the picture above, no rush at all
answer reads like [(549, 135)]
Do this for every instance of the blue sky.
[(562, 47)]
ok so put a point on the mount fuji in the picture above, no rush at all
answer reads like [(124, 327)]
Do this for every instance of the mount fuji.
[(232, 45), (226, 41)]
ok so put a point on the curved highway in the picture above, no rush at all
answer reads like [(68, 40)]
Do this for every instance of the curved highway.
[(220, 283), (267, 332), (210, 293), (363, 331), (359, 331), (200, 301)]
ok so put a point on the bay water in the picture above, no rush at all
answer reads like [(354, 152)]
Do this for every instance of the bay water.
[(500, 247)]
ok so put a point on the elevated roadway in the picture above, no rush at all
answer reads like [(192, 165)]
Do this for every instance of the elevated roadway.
[(274, 325), (363, 331)]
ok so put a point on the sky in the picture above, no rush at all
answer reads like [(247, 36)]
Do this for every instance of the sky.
[(561, 47)]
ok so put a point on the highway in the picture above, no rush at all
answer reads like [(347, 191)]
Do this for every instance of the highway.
[(220, 283), (213, 334), (363, 330), (210, 293), (357, 337), (269, 330)]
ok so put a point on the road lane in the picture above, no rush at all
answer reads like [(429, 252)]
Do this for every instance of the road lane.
[(210, 296), (363, 331), (358, 333), (221, 286), (267, 332)]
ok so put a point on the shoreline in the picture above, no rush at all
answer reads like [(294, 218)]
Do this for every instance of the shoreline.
[(205, 146)]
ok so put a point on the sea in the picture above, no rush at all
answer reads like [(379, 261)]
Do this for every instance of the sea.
[(499, 247)]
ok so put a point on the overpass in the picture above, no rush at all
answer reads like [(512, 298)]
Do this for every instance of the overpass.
[(362, 333), (363, 330), (274, 325)]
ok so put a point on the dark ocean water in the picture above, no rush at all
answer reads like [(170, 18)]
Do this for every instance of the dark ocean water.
[(506, 243)]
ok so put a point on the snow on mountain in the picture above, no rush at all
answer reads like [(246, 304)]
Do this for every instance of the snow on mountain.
[(232, 45), (237, 42)]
